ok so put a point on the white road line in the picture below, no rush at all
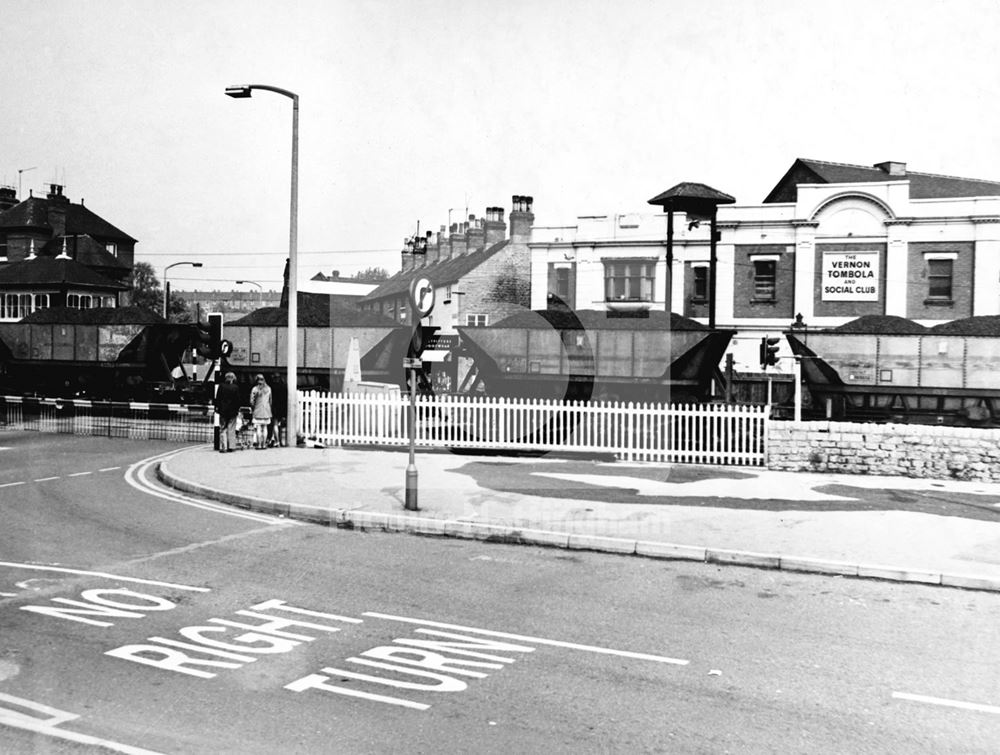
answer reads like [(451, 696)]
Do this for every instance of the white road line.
[(11, 484), (136, 476), (86, 573), (79, 474), (528, 638), (46, 479), (108, 469), (948, 703)]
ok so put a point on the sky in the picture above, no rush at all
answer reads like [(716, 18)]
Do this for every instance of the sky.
[(412, 111)]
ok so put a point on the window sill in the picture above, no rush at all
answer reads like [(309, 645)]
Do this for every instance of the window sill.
[(763, 301), (939, 302)]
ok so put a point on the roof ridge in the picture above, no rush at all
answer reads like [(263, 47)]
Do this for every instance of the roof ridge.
[(908, 172)]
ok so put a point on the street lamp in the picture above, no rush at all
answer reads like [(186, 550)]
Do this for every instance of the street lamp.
[(166, 285), (291, 379), (250, 283)]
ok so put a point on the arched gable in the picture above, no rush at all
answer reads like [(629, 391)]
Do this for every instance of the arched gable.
[(852, 214)]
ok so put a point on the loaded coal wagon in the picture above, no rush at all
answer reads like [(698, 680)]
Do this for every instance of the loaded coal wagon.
[(107, 353), (326, 329), (886, 368), (593, 354)]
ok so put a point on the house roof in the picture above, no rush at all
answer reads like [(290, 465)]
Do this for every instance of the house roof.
[(95, 316), (33, 213), (598, 319), (439, 273), (922, 185), (317, 311), (86, 250), (49, 271)]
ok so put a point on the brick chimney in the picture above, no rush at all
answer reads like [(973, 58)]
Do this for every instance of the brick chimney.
[(494, 227), (8, 197), (433, 249), (459, 241), (406, 257), (521, 219), (892, 168), (56, 208), (475, 237)]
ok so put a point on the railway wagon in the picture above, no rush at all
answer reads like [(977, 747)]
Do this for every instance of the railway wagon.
[(120, 361), (593, 354), (892, 369), (322, 353)]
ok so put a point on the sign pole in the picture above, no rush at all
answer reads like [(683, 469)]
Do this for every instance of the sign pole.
[(421, 304), (411, 468)]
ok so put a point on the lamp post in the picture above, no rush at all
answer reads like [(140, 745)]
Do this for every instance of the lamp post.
[(291, 379), (260, 288), (166, 285)]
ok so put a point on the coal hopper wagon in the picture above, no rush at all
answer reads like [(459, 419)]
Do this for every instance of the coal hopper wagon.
[(594, 355), (892, 369)]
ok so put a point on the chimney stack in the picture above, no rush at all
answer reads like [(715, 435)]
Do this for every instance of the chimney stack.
[(56, 209), (495, 228), (432, 251), (458, 239), (475, 237), (407, 256), (892, 168), (8, 197), (521, 219)]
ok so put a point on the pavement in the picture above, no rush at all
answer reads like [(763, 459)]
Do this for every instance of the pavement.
[(940, 532)]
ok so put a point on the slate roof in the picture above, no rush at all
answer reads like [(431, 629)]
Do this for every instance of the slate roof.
[(440, 273), (317, 311), (95, 316), (598, 319), (922, 185), (49, 271), (33, 213), (85, 250)]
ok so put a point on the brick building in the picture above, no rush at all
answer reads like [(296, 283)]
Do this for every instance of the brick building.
[(479, 274), (831, 242), (57, 253)]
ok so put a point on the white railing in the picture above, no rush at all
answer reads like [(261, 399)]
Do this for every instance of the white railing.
[(685, 433)]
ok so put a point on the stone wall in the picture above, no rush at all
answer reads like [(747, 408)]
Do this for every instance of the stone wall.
[(955, 453)]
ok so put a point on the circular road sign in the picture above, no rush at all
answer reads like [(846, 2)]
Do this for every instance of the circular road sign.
[(422, 296)]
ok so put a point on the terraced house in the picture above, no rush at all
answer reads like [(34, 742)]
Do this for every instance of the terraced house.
[(58, 253)]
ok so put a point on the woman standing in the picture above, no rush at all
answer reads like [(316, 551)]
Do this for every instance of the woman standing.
[(260, 402)]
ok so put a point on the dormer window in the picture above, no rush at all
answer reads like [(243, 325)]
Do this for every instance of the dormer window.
[(111, 248)]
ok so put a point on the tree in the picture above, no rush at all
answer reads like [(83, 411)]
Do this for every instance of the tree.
[(146, 291), (372, 275), (148, 294)]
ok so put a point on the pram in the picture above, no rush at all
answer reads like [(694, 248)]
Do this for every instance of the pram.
[(244, 428)]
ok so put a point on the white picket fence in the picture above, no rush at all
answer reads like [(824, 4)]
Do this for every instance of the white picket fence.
[(683, 433)]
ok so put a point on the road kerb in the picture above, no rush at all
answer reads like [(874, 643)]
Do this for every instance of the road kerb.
[(896, 574), (818, 566), (970, 582), (311, 514), (743, 558), (601, 543), (654, 549)]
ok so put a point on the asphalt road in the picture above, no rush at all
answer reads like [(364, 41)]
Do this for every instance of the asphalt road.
[(133, 619)]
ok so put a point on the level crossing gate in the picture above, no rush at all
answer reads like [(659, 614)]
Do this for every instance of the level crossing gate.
[(680, 433)]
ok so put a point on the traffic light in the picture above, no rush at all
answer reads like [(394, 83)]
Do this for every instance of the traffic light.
[(768, 351), (209, 344), (215, 334)]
